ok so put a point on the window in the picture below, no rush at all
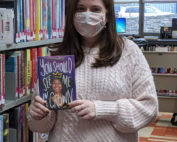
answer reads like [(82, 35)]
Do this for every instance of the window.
[(128, 9), (160, 15)]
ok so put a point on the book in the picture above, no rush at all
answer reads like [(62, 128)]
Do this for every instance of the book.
[(6, 127), (56, 75), (6, 32), (11, 77), (1, 128)]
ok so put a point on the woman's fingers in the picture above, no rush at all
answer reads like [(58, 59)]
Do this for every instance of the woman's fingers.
[(40, 100), (83, 108), (38, 108), (75, 103), (82, 112), (78, 108), (36, 115), (41, 107)]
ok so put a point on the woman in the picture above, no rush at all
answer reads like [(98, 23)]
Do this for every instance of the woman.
[(116, 95)]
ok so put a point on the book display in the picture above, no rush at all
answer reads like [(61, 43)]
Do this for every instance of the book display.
[(27, 28)]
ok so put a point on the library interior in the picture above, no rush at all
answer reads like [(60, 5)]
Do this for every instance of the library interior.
[(59, 82)]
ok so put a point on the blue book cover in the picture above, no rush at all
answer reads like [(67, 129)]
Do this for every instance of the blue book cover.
[(56, 75)]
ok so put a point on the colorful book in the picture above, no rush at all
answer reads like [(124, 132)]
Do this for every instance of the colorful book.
[(1, 128), (6, 127), (56, 76), (38, 19)]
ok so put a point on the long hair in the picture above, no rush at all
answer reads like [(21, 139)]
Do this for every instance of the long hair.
[(110, 43)]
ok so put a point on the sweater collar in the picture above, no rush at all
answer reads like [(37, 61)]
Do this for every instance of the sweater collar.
[(91, 51)]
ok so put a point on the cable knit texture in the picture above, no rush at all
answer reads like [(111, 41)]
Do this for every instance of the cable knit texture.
[(124, 96)]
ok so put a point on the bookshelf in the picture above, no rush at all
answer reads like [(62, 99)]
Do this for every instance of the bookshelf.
[(30, 44), (167, 103), (14, 103), (36, 24)]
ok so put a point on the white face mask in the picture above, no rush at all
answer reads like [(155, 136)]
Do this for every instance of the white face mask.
[(89, 24)]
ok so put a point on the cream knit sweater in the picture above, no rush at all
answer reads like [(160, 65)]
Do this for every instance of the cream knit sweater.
[(124, 96)]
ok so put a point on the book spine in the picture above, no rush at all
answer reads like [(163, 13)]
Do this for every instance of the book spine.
[(7, 31), (26, 124), (53, 17), (1, 128), (57, 17), (1, 26), (28, 71), (20, 75), (6, 127), (63, 14), (49, 3), (44, 15), (41, 21), (31, 19), (3, 79), (23, 71), (34, 19), (37, 19), (27, 19)]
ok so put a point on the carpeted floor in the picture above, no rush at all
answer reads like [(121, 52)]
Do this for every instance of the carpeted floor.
[(160, 131)]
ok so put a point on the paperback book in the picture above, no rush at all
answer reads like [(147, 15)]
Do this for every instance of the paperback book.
[(56, 75)]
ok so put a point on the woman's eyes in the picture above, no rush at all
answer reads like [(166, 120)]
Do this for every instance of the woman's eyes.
[(92, 9), (81, 9), (95, 9)]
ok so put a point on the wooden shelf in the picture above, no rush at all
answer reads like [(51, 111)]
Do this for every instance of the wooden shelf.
[(167, 104), (167, 96), (15, 46), (165, 75), (14, 103), (155, 52)]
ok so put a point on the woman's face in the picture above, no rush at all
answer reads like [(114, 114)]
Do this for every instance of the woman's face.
[(96, 6), (57, 86)]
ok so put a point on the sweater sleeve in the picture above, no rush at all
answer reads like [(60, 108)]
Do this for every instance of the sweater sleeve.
[(44, 125), (128, 115)]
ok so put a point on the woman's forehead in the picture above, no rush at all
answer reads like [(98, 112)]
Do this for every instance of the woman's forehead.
[(91, 3)]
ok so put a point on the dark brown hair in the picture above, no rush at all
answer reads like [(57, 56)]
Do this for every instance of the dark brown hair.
[(110, 44)]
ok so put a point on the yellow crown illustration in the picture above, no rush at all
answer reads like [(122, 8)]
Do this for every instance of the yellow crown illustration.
[(57, 74)]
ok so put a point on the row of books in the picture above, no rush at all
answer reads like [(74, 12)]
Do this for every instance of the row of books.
[(162, 70), (19, 73), (28, 20), (158, 48), (167, 92), (14, 126)]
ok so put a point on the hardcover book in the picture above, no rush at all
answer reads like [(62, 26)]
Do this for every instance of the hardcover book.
[(56, 76)]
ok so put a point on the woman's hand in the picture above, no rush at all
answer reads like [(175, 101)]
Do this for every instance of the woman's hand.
[(83, 108), (37, 108)]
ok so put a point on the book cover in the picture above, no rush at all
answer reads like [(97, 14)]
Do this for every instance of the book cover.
[(56, 76)]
